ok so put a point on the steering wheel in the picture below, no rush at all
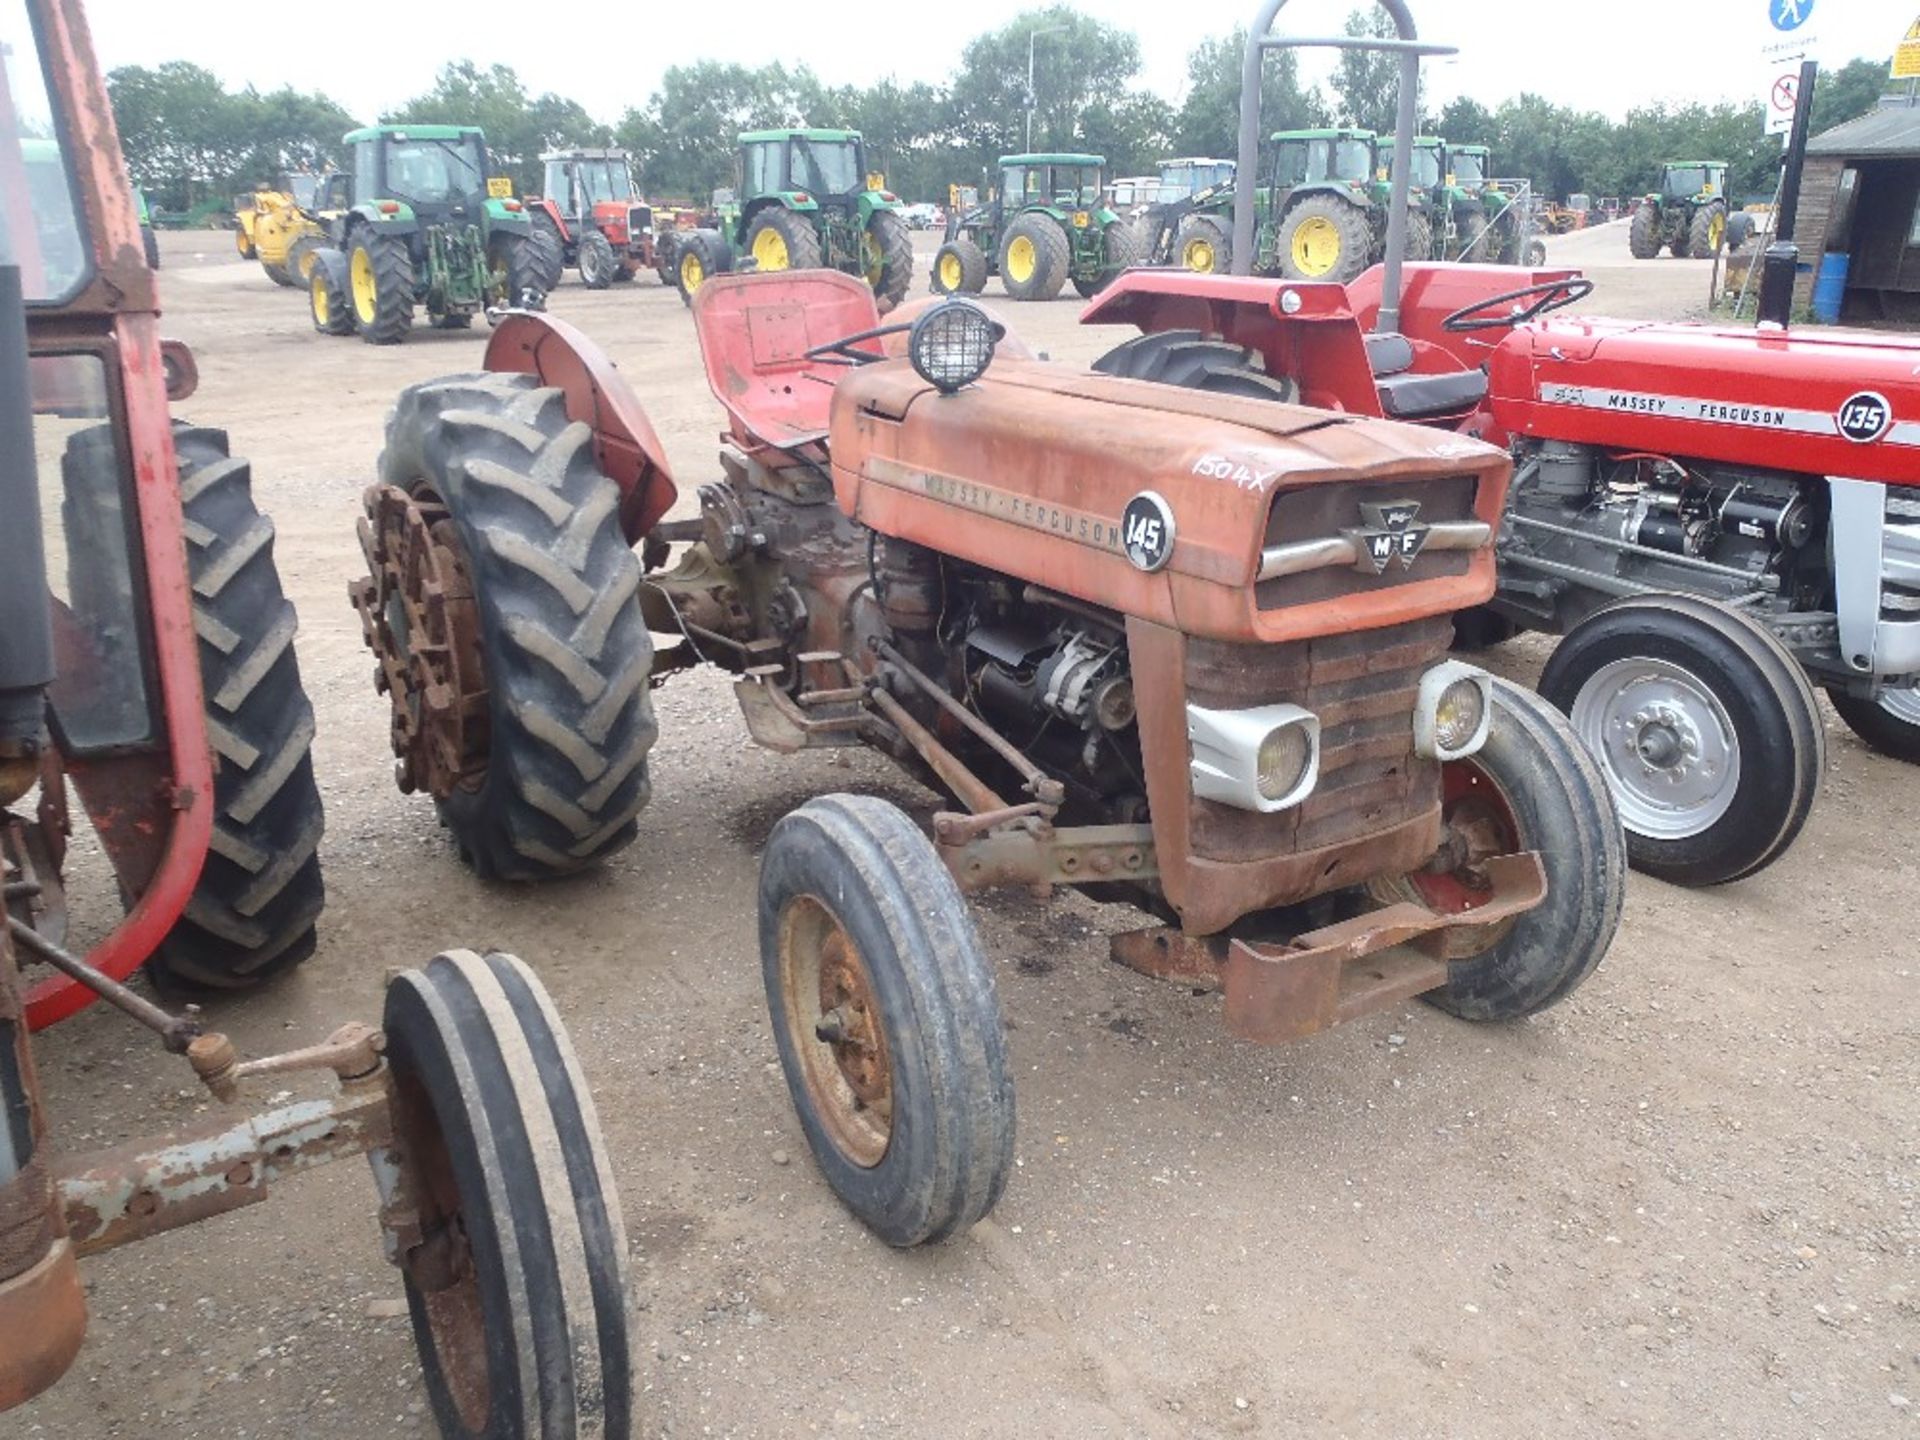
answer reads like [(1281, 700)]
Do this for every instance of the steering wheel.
[(841, 351), (1547, 296)]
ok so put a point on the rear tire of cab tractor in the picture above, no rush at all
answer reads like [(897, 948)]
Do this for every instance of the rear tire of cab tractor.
[(1705, 727), (1476, 239), (1708, 231), (553, 251), (1203, 245), (1532, 786), (1120, 247), (1324, 238), (327, 298), (565, 653), (886, 1020), (1890, 722), (698, 256), (1033, 258), (1643, 233), (596, 261), (252, 912), (517, 1286), (1189, 360), (960, 268), (782, 239), (380, 284), (1419, 237), (892, 244)]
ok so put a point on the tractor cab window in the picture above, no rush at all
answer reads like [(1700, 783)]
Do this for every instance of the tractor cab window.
[(434, 172), (765, 172), (336, 192), (1300, 162), (40, 225), (1467, 168), (1177, 182), (366, 172), (1352, 160), (1426, 166), (828, 167), (1076, 187), (554, 186), (605, 181), (304, 189), (1685, 181), (1023, 185)]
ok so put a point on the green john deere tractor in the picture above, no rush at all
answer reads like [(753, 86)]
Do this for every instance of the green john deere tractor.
[(805, 202), (1686, 216), (1048, 223), (1470, 195), (426, 228)]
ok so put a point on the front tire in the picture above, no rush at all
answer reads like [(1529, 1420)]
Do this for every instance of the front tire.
[(886, 1019), (517, 1283), (553, 251), (892, 244), (1889, 722), (1120, 247), (327, 294), (380, 285), (960, 268), (698, 256), (520, 266), (1705, 727), (564, 653), (1033, 258), (597, 265), (1203, 245)]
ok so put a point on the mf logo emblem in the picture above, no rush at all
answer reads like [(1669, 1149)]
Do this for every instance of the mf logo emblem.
[(1387, 530)]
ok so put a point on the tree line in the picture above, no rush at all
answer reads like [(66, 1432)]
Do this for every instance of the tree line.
[(188, 138)]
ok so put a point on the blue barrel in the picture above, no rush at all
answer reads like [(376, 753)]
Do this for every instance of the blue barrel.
[(1829, 286)]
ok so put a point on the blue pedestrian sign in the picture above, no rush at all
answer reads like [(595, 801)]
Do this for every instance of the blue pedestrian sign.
[(1789, 14)]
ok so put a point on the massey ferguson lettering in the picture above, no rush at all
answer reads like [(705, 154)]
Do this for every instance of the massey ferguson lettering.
[(1690, 407)]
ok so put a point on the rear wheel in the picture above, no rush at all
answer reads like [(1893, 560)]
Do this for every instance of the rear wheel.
[(1324, 238), (597, 265), (890, 263), (380, 286), (960, 268), (514, 1259), (1643, 234), (553, 252), (1419, 237), (783, 239), (886, 1019), (1033, 258), (1120, 247), (1203, 245), (1708, 232), (1476, 243), (327, 294), (1189, 360), (495, 544), (1705, 727), (252, 913), (1889, 722)]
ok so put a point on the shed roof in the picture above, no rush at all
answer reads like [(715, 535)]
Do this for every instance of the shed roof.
[(1891, 129)]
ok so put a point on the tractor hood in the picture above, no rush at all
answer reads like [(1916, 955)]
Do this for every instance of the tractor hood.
[(1817, 402), (1036, 471)]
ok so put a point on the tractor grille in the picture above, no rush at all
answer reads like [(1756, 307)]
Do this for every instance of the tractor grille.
[(1362, 685), (639, 219), (1317, 512)]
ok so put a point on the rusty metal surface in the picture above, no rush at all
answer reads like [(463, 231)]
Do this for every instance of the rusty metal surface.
[(1032, 852), (116, 1196), (969, 789), (1329, 976), (43, 1321), (1047, 791), (419, 617), (352, 1053), (175, 1031), (1164, 953), (832, 1013)]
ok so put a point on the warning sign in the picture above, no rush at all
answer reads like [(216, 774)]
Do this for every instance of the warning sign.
[(1906, 55), (1782, 92)]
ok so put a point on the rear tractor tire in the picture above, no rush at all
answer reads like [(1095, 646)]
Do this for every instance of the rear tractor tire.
[(1203, 245), (597, 264), (1120, 247), (886, 1020), (783, 239), (553, 253), (531, 530), (891, 270), (380, 286), (1705, 727), (1324, 238), (1193, 362), (1419, 237), (520, 264), (1643, 233), (960, 268), (517, 1285), (1034, 258)]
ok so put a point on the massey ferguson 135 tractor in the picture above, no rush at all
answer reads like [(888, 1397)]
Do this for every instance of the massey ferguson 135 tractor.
[(146, 662), (1047, 223), (427, 228), (1186, 650), (806, 203), (1709, 516), (1687, 215), (593, 217)]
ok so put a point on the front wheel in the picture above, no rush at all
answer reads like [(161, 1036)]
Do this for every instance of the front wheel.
[(519, 266), (1033, 257), (699, 256), (597, 265), (889, 248), (1889, 722), (553, 251), (1705, 727), (960, 268), (1708, 231), (886, 1019), (1119, 248), (514, 1256), (1203, 245), (1532, 786), (380, 280)]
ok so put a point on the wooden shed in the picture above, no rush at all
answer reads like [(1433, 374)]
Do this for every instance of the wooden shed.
[(1860, 198)]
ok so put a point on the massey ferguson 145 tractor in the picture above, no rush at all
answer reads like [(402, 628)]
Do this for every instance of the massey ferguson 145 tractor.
[(1709, 516), (1047, 223), (146, 668), (593, 217), (427, 228), (1186, 650)]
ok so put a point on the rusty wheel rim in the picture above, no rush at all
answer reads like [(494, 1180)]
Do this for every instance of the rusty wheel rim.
[(1480, 823), (440, 1267), (832, 1015)]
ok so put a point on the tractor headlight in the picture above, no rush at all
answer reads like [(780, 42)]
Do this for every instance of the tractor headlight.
[(1265, 759), (1453, 711), (951, 344)]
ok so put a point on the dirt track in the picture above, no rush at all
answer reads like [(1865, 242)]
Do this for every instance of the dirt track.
[(1684, 1203)]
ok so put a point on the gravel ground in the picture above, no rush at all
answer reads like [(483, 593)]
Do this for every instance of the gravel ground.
[(1682, 1203)]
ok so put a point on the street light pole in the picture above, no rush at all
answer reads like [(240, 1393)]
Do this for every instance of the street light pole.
[(1033, 35)]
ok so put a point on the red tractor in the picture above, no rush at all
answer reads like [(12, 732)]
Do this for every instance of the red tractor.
[(146, 668), (1711, 517), (596, 216)]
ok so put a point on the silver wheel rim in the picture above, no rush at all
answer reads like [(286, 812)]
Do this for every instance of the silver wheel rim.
[(1667, 744), (1902, 705)]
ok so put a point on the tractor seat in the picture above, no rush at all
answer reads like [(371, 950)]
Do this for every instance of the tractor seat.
[(1407, 395)]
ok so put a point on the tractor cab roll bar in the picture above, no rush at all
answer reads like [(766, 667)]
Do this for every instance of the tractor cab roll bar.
[(1409, 47)]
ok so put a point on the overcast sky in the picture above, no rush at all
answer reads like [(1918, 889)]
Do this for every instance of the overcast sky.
[(1588, 53)]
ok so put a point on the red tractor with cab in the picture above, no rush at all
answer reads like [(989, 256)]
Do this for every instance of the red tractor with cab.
[(147, 669), (597, 218)]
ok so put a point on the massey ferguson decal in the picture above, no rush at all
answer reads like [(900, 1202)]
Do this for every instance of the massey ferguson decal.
[(1387, 530), (1864, 417)]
